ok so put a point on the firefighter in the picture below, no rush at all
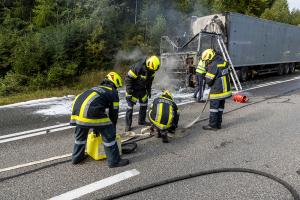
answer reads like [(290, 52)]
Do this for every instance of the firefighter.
[(88, 112), (138, 88), (163, 115), (200, 75), (217, 77)]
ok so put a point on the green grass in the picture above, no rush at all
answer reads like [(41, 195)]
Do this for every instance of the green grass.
[(86, 81)]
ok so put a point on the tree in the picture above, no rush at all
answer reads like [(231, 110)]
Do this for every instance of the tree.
[(278, 12)]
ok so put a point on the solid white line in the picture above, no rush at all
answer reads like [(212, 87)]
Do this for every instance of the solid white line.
[(34, 134), (271, 83), (121, 115), (33, 131), (79, 192), (35, 163)]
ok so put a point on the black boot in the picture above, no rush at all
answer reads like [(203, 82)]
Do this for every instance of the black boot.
[(121, 163), (164, 136), (128, 119), (142, 115), (220, 115), (209, 128)]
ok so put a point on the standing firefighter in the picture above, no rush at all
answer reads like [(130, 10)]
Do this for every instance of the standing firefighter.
[(200, 74), (138, 88), (163, 115), (88, 112), (217, 77)]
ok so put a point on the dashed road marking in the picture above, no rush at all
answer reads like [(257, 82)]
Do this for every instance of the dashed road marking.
[(79, 192)]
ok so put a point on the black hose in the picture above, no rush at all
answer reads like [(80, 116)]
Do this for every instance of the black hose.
[(34, 170), (203, 173)]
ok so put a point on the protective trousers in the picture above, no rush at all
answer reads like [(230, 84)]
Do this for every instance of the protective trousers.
[(131, 101), (216, 112), (108, 134), (200, 87)]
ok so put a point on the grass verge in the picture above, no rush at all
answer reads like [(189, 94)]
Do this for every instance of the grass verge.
[(85, 81)]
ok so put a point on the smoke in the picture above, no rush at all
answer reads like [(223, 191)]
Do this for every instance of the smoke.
[(127, 57)]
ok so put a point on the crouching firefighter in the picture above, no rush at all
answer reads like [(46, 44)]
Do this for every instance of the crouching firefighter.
[(200, 75), (163, 115), (217, 77), (138, 88), (88, 112)]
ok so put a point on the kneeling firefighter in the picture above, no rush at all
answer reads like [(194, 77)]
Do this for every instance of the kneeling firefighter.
[(138, 88), (217, 77), (163, 115), (88, 112)]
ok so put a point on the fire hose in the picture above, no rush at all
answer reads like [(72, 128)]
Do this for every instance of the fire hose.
[(292, 190)]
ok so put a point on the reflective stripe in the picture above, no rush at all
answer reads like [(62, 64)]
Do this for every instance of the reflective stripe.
[(170, 115), (213, 110), (134, 99), (221, 95), (90, 124), (201, 71), (116, 105), (143, 104), (221, 109), (145, 98), (225, 84), (209, 75), (132, 74), (109, 88), (86, 108), (165, 98), (83, 109), (93, 121), (153, 75), (222, 65), (79, 142), (109, 144), (161, 126), (159, 112), (75, 101)]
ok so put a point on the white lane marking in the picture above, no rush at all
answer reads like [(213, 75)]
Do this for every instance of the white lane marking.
[(35, 134), (79, 192), (33, 131), (122, 114), (34, 163), (271, 83)]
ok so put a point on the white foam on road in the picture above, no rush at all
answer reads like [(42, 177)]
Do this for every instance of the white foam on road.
[(79, 192)]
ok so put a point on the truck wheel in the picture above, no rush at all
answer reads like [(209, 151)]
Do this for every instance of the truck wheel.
[(286, 69), (292, 68), (280, 70), (244, 74)]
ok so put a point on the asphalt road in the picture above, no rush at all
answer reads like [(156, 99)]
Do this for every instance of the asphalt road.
[(262, 134)]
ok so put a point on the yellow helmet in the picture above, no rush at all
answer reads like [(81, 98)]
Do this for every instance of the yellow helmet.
[(208, 55), (152, 63), (115, 78), (167, 93)]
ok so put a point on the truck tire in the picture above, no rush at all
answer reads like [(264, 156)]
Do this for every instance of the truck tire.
[(244, 74), (280, 70), (292, 68), (286, 69)]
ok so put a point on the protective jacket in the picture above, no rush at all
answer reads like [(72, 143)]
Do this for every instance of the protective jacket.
[(201, 69), (162, 112), (89, 107), (139, 80), (217, 77)]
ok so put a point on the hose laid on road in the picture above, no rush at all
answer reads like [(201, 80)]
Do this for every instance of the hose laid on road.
[(292, 190)]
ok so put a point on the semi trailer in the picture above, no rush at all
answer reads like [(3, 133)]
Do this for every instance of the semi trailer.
[(256, 46)]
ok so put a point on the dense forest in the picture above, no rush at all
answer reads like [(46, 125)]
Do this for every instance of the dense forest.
[(49, 43)]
